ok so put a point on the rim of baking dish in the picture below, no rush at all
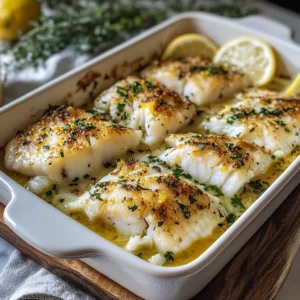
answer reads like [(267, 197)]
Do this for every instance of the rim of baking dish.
[(119, 254)]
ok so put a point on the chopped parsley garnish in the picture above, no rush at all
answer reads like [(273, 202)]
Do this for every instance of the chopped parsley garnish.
[(192, 199), (177, 172), (124, 116), (49, 193), (236, 155), (136, 88), (231, 218), (184, 210), (83, 126), (148, 84), (67, 128), (160, 223), (75, 179), (276, 112), (236, 202), (169, 256), (187, 176), (133, 207), (217, 191), (73, 136), (152, 158), (280, 123), (97, 196), (273, 156), (122, 92), (257, 186), (25, 143), (120, 107), (229, 145), (230, 120), (61, 153), (287, 130), (239, 115), (86, 176)]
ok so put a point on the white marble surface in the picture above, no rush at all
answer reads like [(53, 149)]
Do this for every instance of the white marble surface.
[(291, 287)]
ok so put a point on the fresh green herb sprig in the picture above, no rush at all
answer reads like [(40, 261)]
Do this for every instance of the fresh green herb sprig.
[(87, 31), (97, 25)]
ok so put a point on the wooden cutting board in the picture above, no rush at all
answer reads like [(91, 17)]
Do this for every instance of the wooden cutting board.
[(256, 272)]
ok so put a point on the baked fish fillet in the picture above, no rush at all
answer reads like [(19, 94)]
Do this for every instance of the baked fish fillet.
[(197, 79), (268, 119), (145, 105), (67, 143), (153, 206), (225, 162)]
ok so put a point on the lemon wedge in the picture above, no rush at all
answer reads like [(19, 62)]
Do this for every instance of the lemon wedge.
[(190, 44), (251, 56), (15, 16), (294, 88)]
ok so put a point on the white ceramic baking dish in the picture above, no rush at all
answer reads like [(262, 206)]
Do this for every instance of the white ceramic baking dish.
[(49, 230)]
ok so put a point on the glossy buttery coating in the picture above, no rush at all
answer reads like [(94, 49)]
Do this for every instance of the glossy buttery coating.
[(225, 162), (146, 105), (197, 79), (67, 143), (148, 202), (269, 119)]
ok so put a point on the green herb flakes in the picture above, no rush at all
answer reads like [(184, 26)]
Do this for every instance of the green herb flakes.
[(185, 210), (236, 202), (49, 193), (231, 219), (122, 92), (97, 196), (136, 88), (159, 224), (192, 200), (133, 207), (120, 107), (169, 256)]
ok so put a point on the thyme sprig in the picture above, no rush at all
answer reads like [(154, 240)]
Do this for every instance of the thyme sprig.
[(96, 25)]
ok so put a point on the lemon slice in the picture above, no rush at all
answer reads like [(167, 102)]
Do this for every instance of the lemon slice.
[(251, 56), (294, 88), (190, 44)]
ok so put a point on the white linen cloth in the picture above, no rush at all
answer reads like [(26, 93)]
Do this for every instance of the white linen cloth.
[(22, 82), (22, 278)]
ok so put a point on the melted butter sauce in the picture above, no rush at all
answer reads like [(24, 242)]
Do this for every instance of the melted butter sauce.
[(248, 195)]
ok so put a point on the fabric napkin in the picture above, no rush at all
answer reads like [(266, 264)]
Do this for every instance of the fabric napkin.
[(22, 278)]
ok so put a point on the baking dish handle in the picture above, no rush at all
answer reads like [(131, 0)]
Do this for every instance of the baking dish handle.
[(46, 228), (267, 25)]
